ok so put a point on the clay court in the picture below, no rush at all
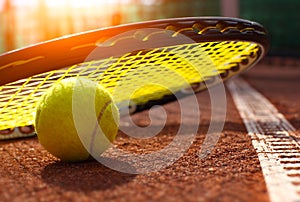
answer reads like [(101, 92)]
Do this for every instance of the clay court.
[(254, 157), (231, 172)]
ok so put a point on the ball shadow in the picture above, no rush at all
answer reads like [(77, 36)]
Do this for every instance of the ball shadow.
[(84, 177)]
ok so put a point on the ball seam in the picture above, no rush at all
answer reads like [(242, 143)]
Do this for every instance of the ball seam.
[(106, 104)]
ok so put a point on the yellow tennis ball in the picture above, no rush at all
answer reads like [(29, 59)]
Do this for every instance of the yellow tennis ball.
[(76, 117)]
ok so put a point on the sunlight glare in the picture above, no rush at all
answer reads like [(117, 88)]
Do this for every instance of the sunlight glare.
[(68, 3), (74, 3)]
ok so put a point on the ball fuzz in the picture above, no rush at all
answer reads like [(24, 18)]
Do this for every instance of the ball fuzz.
[(76, 118)]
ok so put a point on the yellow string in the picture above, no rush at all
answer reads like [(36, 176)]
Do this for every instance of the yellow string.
[(147, 75)]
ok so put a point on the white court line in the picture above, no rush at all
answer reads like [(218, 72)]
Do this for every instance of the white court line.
[(272, 137)]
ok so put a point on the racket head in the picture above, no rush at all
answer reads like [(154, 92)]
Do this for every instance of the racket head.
[(156, 48)]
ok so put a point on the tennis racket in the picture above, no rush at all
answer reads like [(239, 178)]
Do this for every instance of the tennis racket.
[(148, 52)]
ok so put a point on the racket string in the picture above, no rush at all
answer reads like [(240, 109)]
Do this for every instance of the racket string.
[(141, 76)]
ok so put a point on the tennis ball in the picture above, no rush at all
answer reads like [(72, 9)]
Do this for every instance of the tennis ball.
[(76, 117)]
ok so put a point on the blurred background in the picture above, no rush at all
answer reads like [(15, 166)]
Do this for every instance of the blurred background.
[(25, 22)]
